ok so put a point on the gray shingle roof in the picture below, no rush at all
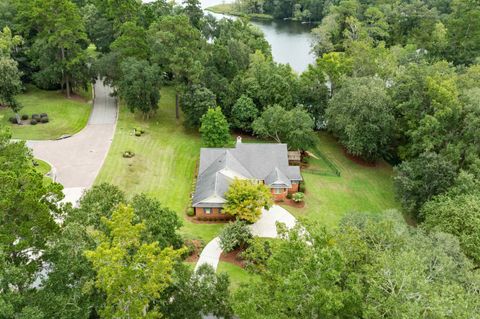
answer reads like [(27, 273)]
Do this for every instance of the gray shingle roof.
[(220, 166)]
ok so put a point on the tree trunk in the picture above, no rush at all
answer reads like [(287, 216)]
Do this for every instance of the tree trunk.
[(177, 102), (67, 82), (65, 77)]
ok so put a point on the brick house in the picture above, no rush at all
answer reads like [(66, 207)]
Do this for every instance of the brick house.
[(265, 163)]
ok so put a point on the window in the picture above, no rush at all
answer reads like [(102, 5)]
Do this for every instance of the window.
[(207, 211), (278, 190)]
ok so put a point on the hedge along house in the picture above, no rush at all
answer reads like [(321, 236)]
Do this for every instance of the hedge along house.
[(263, 163)]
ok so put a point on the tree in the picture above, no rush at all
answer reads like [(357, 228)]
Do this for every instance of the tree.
[(294, 127), (459, 215), (246, 199), (161, 223), (244, 112), (361, 115), (196, 294), (196, 101), (335, 65), (313, 93), (463, 32), (370, 266), (194, 12), (177, 49), (418, 180), (234, 234), (28, 207), (215, 128), (140, 85), (131, 272), (59, 48), (10, 83)]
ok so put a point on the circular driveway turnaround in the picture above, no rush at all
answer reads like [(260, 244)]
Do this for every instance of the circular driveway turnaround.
[(266, 226), (79, 158)]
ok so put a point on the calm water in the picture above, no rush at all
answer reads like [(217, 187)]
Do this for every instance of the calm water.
[(290, 41)]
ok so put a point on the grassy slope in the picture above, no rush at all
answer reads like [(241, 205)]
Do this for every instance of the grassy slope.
[(231, 9), (66, 116), (164, 164), (359, 188)]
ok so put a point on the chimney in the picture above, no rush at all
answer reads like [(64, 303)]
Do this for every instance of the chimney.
[(239, 139)]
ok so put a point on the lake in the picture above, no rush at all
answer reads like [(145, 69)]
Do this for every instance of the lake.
[(290, 41)]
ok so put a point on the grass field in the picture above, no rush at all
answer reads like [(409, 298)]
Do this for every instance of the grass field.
[(164, 162), (66, 116), (359, 188)]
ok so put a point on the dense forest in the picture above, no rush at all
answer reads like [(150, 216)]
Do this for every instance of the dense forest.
[(394, 80)]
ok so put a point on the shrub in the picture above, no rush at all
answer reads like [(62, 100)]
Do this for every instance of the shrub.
[(301, 187), (128, 154), (298, 197), (13, 120), (137, 133), (35, 117), (289, 196), (43, 115), (235, 234), (44, 119), (25, 117), (257, 253), (33, 122), (191, 212)]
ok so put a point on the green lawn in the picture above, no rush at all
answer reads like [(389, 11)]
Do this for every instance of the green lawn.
[(43, 168), (67, 116), (359, 188), (237, 275), (164, 162)]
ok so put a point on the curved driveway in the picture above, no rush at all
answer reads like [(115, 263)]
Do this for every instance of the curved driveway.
[(266, 226), (78, 159)]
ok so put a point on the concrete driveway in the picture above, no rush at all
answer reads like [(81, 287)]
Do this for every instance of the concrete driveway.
[(266, 226), (78, 159)]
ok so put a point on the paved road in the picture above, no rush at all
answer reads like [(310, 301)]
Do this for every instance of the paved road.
[(78, 159), (266, 226)]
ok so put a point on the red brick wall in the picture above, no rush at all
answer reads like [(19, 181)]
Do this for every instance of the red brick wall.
[(293, 189), (281, 196), (215, 214)]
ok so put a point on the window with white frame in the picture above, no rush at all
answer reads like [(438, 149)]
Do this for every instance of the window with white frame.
[(278, 190), (207, 211)]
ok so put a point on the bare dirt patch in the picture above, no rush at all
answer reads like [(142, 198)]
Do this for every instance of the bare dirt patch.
[(233, 257), (358, 160)]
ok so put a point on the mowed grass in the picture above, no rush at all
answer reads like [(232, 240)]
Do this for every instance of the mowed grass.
[(237, 274), (67, 116), (164, 163), (359, 188)]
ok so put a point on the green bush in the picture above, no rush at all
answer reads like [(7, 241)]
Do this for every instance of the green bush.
[(298, 197), (234, 234), (33, 121), (289, 196), (257, 254), (35, 117), (44, 119), (301, 187), (13, 120), (128, 154), (191, 212), (25, 117), (43, 115), (137, 133)]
